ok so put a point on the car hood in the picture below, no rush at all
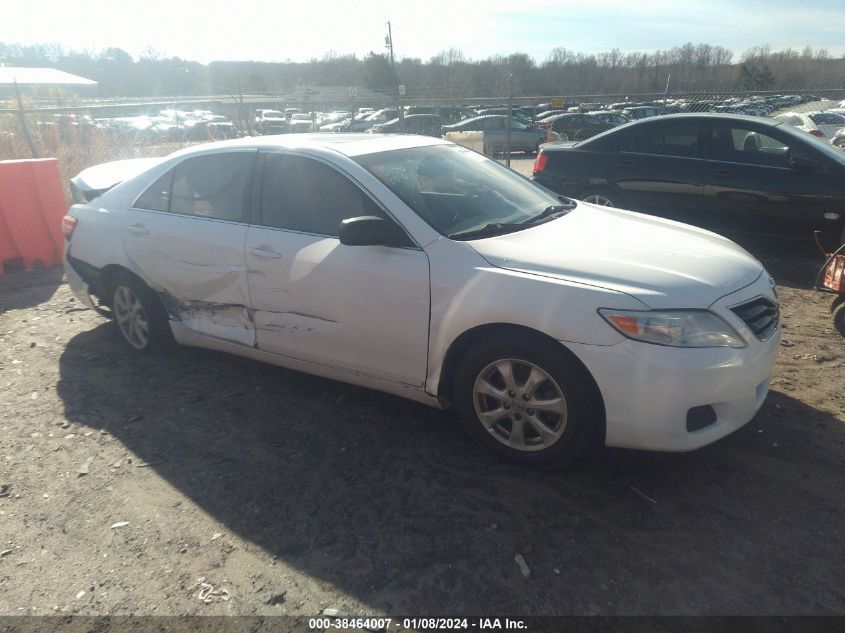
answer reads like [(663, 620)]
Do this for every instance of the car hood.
[(661, 263)]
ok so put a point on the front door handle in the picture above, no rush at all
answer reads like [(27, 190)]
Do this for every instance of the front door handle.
[(264, 252), (721, 173), (139, 229), (625, 163)]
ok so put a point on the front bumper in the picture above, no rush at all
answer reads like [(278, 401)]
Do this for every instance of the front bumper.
[(648, 390)]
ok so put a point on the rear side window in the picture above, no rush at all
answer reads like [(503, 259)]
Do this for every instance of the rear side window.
[(302, 194), (665, 139), (213, 186), (157, 197)]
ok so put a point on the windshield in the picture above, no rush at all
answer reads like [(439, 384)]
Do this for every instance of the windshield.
[(461, 193)]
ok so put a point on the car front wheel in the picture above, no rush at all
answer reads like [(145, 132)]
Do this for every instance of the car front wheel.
[(527, 403)]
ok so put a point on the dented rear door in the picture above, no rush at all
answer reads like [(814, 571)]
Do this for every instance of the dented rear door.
[(185, 236)]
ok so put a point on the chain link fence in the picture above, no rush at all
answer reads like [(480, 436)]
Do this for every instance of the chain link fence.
[(83, 133)]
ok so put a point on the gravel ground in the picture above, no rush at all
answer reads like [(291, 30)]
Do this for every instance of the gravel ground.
[(201, 483)]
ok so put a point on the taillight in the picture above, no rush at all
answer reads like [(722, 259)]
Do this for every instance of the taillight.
[(68, 224), (818, 133), (540, 162)]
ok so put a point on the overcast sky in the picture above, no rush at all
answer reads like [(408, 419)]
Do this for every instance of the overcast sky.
[(278, 30)]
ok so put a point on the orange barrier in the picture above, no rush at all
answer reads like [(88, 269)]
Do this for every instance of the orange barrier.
[(8, 250), (32, 205)]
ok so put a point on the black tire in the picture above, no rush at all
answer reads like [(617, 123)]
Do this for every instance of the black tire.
[(603, 197), (838, 310), (159, 337), (579, 430)]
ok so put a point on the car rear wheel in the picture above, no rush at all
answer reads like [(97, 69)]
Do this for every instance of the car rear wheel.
[(140, 316), (602, 198), (524, 402)]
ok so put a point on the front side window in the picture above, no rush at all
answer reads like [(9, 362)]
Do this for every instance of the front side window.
[(303, 194), (739, 143)]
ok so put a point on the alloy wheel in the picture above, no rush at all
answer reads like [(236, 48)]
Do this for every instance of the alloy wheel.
[(131, 318), (600, 200), (520, 404)]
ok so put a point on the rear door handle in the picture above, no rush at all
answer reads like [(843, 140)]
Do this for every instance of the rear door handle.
[(721, 173), (264, 252), (139, 229), (625, 163)]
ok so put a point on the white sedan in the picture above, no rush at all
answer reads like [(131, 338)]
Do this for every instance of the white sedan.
[(420, 268), (824, 125)]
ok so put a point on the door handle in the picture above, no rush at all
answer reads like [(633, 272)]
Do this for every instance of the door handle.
[(139, 229), (625, 163), (721, 173), (264, 252)]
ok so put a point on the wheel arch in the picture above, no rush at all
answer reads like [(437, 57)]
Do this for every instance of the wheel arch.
[(479, 333), (110, 271)]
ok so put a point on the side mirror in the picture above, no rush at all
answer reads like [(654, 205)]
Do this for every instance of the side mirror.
[(803, 164), (368, 230)]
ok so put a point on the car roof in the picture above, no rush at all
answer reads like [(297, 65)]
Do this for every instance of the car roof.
[(346, 144), (709, 115)]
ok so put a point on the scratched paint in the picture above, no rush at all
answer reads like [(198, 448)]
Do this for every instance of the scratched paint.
[(292, 321)]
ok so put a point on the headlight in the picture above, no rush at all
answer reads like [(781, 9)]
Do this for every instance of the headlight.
[(677, 328)]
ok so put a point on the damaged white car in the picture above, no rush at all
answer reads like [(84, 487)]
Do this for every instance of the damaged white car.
[(420, 268)]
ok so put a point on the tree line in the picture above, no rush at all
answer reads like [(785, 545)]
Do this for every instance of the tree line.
[(451, 75)]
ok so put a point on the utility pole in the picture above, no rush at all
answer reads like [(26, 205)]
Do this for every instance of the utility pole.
[(22, 115), (666, 93), (388, 44), (510, 118)]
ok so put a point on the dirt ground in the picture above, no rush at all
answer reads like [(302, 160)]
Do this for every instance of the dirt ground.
[(217, 485)]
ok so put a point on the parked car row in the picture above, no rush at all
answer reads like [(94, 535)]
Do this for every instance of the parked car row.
[(574, 122), (172, 126), (531, 125)]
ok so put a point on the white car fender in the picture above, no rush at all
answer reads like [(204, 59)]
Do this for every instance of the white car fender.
[(481, 294)]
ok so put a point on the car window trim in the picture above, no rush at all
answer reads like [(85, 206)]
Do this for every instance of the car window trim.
[(255, 214), (672, 156), (246, 203)]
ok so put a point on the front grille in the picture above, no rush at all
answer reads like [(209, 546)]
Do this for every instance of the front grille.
[(760, 315)]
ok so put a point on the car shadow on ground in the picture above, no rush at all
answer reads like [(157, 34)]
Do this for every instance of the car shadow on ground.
[(21, 289), (390, 502)]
